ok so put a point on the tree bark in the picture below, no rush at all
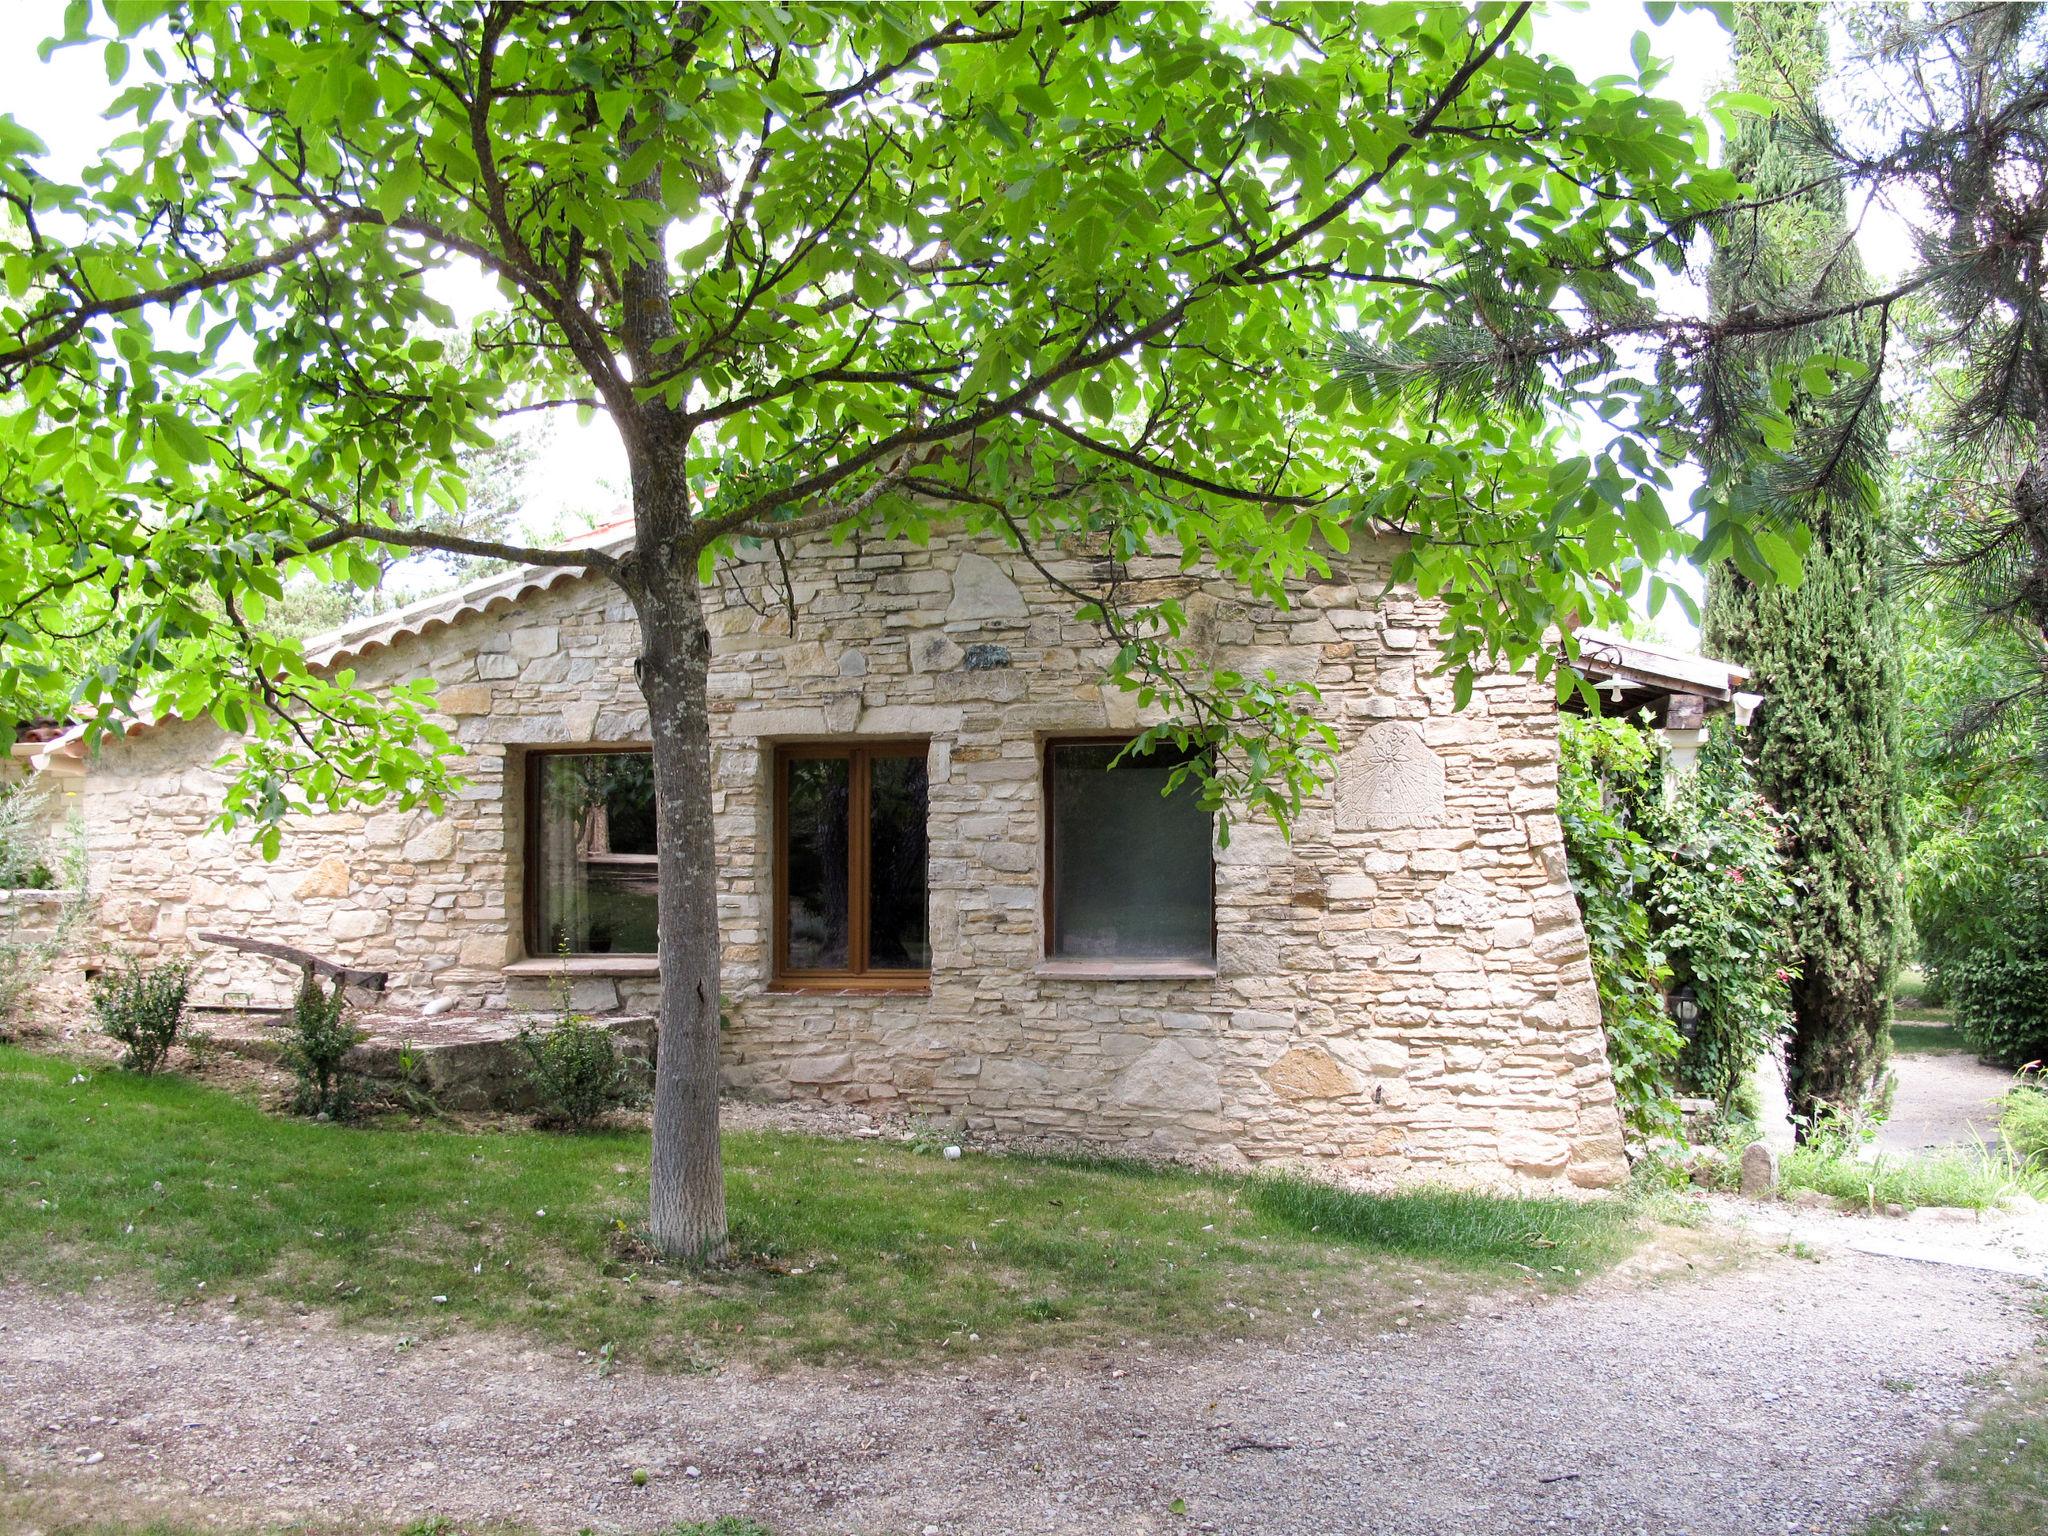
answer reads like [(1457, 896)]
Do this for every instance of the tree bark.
[(686, 1208)]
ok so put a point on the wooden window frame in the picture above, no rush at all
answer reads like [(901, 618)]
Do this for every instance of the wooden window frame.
[(855, 976), (529, 874), (1050, 912)]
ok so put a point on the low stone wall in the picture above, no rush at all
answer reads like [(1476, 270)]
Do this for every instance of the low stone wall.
[(1402, 991), (463, 1064)]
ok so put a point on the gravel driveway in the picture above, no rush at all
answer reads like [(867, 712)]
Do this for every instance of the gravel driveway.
[(1944, 1099), (1786, 1395)]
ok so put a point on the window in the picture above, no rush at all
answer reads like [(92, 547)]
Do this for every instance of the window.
[(1132, 876), (850, 864), (592, 883)]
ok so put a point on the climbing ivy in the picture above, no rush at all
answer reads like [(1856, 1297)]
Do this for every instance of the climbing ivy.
[(1685, 890), (1606, 766), (1722, 903)]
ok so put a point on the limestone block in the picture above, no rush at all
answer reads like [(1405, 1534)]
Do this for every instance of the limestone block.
[(1389, 778), (357, 923), (593, 994), (1600, 1162), (933, 652), (535, 640), (384, 831), (622, 725), (464, 699), (1309, 1072), (1014, 1074), (497, 667), (1168, 1078), (1288, 663), (1513, 933), (808, 721), (832, 1067), (434, 841), (328, 878), (1535, 1152), (935, 720), (842, 713), (1375, 1055), (1465, 900), (983, 591)]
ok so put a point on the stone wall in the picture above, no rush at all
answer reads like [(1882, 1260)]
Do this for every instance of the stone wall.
[(1402, 992)]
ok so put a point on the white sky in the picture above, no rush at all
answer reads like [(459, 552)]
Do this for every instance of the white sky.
[(582, 474)]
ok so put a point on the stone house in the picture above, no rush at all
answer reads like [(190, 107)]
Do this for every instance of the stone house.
[(938, 896)]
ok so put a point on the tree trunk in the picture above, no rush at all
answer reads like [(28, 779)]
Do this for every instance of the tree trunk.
[(686, 1216)]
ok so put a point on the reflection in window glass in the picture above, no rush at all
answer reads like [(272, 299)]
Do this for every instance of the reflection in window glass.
[(817, 827), (1131, 866), (594, 886), (853, 859), (897, 940)]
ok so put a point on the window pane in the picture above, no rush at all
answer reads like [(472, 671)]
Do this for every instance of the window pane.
[(1130, 866), (897, 939), (595, 887), (817, 863)]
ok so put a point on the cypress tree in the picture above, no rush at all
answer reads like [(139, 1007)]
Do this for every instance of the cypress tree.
[(1825, 742)]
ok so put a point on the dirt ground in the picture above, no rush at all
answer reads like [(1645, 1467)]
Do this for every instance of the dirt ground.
[(1789, 1394)]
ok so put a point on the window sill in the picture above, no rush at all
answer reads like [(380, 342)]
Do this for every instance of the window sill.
[(859, 986), (1126, 970), (586, 965)]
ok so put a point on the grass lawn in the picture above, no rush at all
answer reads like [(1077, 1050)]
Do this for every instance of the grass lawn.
[(1918, 1027), (1926, 1031), (847, 1250)]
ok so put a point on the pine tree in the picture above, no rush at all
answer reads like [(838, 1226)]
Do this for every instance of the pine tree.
[(1825, 741)]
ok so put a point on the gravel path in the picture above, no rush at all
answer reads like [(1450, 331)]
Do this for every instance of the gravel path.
[(1944, 1098), (1787, 1395)]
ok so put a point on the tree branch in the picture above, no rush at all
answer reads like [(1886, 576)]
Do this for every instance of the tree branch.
[(1082, 356)]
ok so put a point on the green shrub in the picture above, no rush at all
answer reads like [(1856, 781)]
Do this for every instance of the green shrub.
[(2001, 1003), (320, 1039), (2023, 1122), (143, 1008), (576, 1072)]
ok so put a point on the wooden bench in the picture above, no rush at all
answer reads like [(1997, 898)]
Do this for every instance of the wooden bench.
[(309, 965)]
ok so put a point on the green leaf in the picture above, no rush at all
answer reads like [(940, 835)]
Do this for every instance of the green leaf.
[(184, 440)]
